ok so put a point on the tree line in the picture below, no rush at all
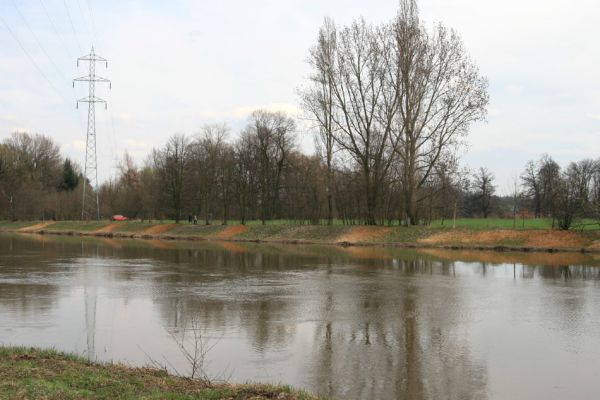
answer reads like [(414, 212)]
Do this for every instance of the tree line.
[(262, 176)]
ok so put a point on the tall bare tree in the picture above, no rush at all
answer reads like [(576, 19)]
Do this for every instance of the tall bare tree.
[(441, 93), (365, 104), (318, 100)]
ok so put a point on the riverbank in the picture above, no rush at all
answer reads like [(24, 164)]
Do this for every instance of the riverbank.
[(479, 238), (48, 374)]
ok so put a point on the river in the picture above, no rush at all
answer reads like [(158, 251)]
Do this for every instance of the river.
[(349, 323)]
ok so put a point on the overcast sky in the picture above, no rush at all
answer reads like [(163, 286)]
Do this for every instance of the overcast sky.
[(176, 65)]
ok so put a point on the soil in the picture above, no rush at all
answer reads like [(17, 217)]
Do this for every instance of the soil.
[(36, 227), (363, 234), (535, 239), (156, 229), (231, 231), (107, 228)]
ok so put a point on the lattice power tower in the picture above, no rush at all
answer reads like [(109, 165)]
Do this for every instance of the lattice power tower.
[(90, 204)]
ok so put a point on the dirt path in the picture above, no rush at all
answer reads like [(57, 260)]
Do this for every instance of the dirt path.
[(35, 228), (157, 229), (363, 234), (231, 231)]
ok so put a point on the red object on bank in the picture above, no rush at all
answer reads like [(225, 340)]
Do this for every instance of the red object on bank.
[(119, 218)]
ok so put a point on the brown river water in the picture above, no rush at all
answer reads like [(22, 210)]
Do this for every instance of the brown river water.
[(348, 323)]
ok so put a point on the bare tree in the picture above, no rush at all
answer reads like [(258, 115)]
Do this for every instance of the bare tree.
[(364, 104), (318, 100), (207, 153), (574, 191), (171, 163), (540, 180), (484, 188), (245, 176), (271, 137), (441, 93)]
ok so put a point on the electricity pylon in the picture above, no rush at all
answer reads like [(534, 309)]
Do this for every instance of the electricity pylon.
[(90, 174)]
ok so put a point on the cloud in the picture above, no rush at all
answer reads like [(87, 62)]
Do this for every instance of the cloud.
[(178, 65)]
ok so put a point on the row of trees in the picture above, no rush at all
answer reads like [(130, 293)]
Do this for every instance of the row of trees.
[(564, 194), (262, 176)]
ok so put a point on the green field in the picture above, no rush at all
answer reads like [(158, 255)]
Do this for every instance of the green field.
[(507, 223)]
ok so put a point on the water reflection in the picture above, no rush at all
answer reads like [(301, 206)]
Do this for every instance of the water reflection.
[(343, 322)]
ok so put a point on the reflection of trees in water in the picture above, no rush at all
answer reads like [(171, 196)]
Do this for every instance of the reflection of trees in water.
[(561, 272), (23, 272), (28, 298), (226, 289), (378, 331), (401, 341)]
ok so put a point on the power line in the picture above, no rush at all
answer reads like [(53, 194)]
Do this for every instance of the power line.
[(85, 21), (60, 38), (31, 59), (55, 29), (93, 22), (72, 26), (38, 40)]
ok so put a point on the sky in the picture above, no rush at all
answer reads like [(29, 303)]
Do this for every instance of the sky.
[(177, 65)]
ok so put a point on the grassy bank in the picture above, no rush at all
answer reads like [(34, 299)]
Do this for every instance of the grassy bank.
[(468, 234), (47, 374)]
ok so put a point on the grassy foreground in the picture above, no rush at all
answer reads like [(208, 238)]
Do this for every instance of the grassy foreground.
[(469, 233), (48, 374)]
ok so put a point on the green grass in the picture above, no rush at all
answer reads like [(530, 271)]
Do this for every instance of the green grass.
[(48, 374), (77, 226), (4, 224), (275, 226), (509, 223)]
